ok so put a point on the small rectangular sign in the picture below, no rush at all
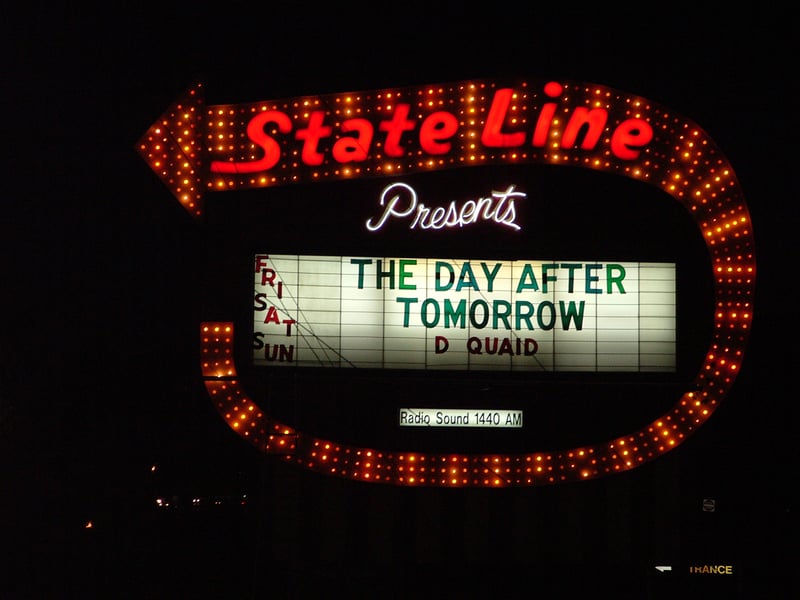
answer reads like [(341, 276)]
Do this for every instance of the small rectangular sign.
[(455, 417)]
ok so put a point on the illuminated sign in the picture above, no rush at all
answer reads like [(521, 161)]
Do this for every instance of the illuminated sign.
[(399, 201), (197, 149), (427, 313), (711, 569), (440, 417)]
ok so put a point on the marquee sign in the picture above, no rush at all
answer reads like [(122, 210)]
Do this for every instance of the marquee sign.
[(197, 149), (437, 314)]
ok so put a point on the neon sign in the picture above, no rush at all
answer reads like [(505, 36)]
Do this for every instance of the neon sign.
[(399, 200), (433, 133), (197, 150)]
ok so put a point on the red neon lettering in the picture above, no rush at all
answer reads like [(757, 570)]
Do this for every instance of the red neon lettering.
[(629, 137), (583, 128), (543, 125), (312, 135), (436, 128), (354, 149), (552, 89), (492, 136), (255, 131), (394, 130), (595, 119)]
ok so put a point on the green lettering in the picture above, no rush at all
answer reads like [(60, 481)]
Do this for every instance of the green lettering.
[(423, 312), (551, 313), (404, 274), (490, 275), (592, 278), (502, 310), (467, 279), (440, 286), (546, 277), (458, 316), (527, 280), (406, 302), (571, 313), (571, 267), (611, 278), (361, 262), (524, 313)]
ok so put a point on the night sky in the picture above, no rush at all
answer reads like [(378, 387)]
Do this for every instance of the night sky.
[(106, 279)]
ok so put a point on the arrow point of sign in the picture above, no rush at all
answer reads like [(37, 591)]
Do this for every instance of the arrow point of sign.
[(663, 568), (172, 147)]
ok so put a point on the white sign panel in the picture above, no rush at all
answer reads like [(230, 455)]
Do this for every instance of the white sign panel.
[(449, 417), (445, 314)]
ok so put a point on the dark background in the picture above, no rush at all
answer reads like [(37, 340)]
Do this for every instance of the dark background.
[(105, 281)]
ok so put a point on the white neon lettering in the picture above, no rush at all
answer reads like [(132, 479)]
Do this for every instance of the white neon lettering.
[(400, 200)]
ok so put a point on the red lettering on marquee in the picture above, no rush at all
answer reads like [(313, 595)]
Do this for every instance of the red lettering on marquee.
[(435, 130), (196, 149), (546, 115), (311, 136), (630, 137), (492, 136), (394, 129), (584, 128), (354, 149), (255, 131)]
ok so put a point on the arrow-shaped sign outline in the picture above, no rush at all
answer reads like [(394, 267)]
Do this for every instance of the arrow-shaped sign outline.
[(694, 172), (177, 147)]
